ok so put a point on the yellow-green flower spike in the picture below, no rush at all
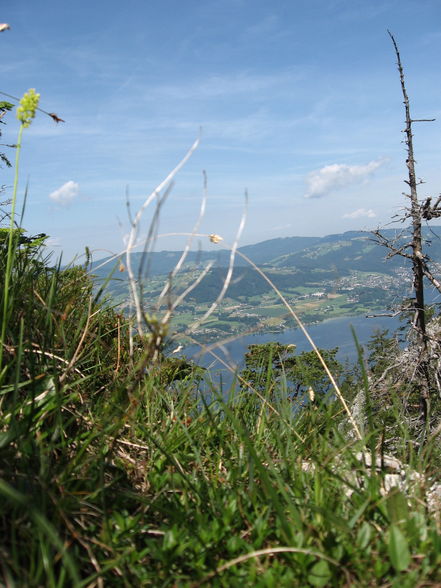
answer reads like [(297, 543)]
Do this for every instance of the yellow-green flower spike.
[(28, 106)]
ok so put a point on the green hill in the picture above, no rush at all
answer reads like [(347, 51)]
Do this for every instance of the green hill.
[(353, 250), (291, 263)]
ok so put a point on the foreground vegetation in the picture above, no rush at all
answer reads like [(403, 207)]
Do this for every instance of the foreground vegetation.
[(122, 466), (116, 471)]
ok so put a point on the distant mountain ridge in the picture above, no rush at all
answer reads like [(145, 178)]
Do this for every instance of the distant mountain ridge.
[(359, 251), (352, 250), (163, 262), (266, 251)]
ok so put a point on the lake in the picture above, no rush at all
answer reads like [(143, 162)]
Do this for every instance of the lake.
[(327, 334)]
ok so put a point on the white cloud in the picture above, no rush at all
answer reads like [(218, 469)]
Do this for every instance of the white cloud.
[(65, 193), (338, 175), (360, 213)]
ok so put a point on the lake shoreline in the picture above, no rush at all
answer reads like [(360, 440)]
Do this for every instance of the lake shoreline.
[(328, 334)]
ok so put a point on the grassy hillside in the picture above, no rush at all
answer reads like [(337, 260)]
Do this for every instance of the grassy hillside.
[(116, 470), (122, 465)]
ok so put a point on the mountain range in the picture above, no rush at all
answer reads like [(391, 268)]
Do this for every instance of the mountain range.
[(342, 253)]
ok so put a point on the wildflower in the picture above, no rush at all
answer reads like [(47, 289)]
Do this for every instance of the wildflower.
[(215, 238), (28, 106)]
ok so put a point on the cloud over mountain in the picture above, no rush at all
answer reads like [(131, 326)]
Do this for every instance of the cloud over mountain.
[(65, 193), (360, 213), (338, 175)]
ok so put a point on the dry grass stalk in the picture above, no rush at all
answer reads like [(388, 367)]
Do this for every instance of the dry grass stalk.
[(132, 237), (270, 551)]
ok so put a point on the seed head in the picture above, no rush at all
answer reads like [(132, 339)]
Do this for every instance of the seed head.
[(28, 106)]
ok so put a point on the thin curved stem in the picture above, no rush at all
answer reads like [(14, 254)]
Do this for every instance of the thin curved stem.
[(11, 248)]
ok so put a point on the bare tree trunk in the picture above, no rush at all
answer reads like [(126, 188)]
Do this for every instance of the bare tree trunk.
[(418, 261)]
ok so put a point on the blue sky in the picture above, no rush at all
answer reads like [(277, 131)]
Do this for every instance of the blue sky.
[(299, 104)]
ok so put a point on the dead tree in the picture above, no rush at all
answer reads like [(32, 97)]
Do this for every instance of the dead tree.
[(416, 213)]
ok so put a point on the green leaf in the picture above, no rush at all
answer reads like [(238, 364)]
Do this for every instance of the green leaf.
[(380, 568), (398, 548), (170, 540), (364, 535), (319, 574), (397, 507), (7, 437)]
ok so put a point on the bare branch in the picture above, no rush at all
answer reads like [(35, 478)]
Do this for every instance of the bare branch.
[(432, 278), (382, 240)]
